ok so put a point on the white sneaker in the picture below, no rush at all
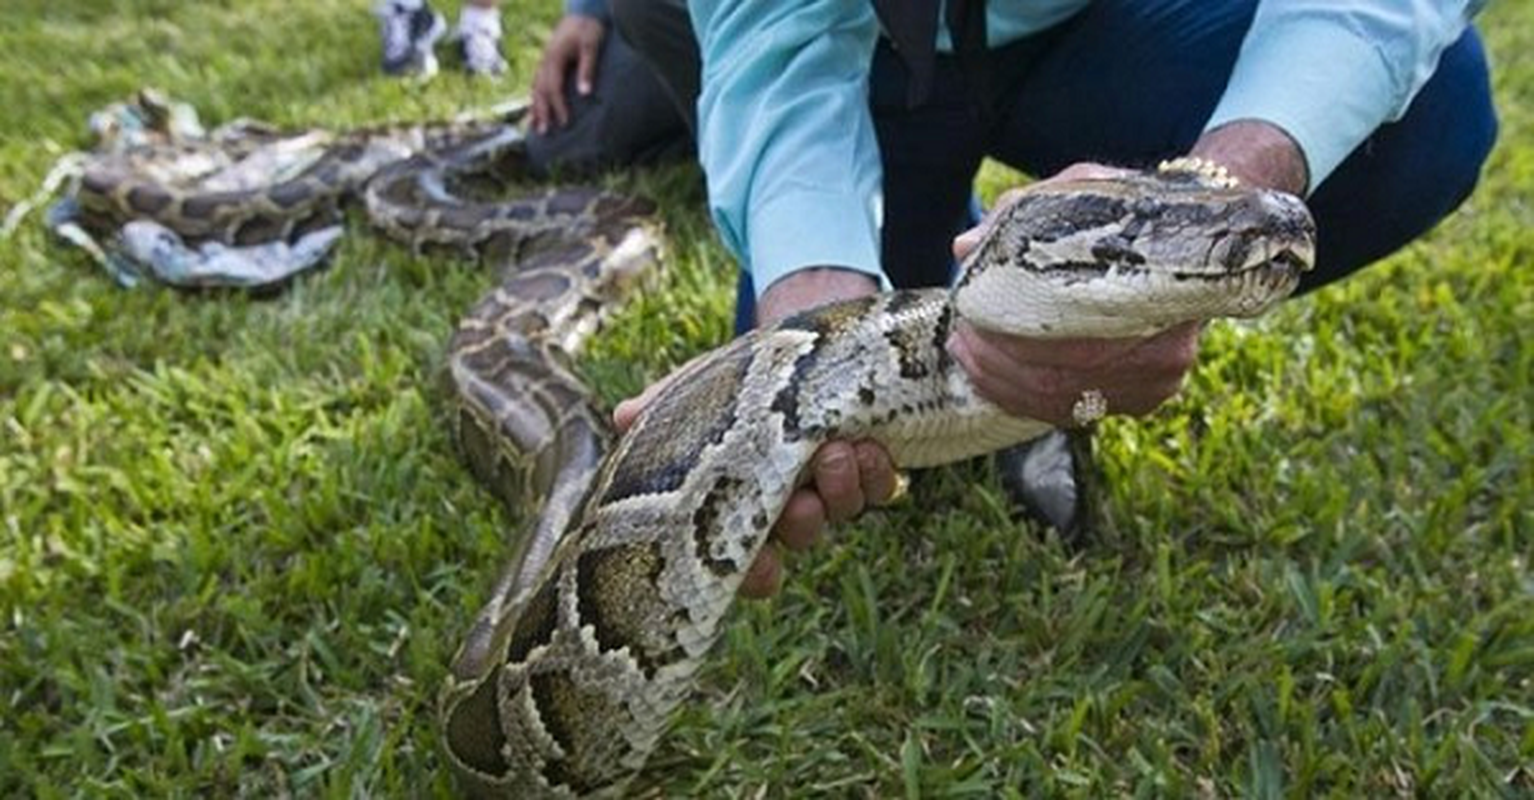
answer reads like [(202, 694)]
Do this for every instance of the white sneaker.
[(479, 40), (409, 36)]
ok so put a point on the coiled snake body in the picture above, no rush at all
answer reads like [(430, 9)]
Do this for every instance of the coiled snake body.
[(563, 689), (594, 633)]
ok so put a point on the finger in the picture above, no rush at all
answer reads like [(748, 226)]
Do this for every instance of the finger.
[(586, 69), (835, 470), (876, 473), (967, 241), (984, 359), (1050, 394), (548, 87), (628, 410), (765, 575), (557, 101), (1075, 354), (539, 116), (1085, 170), (803, 517), (1023, 390)]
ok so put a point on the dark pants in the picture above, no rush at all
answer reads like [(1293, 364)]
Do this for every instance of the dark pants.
[(1131, 82), (630, 118)]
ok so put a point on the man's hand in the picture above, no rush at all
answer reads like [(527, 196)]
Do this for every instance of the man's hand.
[(1256, 153), (845, 477), (1043, 379), (575, 45), (1026, 377)]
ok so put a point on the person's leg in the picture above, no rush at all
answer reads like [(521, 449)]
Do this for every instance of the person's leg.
[(660, 31), (628, 119), (409, 30), (1132, 82), (479, 37)]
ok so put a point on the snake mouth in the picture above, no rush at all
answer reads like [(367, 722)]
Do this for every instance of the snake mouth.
[(1285, 256), (1293, 259), (1291, 262), (1287, 262)]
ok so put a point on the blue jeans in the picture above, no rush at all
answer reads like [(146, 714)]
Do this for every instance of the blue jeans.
[(1131, 82)]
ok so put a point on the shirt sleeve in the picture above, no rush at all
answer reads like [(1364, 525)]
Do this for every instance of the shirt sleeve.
[(785, 136), (587, 8), (1329, 72)]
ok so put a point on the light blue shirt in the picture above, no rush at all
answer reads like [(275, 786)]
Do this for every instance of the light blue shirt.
[(788, 147), (588, 8)]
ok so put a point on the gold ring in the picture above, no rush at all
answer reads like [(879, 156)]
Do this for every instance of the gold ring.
[(1089, 408), (902, 488)]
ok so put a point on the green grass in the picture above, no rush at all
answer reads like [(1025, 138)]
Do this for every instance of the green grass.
[(237, 548)]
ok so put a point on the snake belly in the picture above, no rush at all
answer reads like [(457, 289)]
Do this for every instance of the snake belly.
[(564, 691)]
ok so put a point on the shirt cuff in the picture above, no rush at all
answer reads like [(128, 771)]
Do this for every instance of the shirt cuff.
[(804, 227), (1322, 83), (587, 8)]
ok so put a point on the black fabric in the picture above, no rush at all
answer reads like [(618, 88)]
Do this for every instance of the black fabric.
[(911, 26), (966, 24)]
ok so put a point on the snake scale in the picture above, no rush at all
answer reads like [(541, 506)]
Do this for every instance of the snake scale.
[(608, 606)]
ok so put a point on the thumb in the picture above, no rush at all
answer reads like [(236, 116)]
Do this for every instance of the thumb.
[(966, 241), (629, 410)]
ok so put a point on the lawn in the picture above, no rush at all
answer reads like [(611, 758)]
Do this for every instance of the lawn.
[(237, 548)]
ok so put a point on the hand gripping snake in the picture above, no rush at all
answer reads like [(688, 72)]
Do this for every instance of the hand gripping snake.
[(597, 627), (571, 673)]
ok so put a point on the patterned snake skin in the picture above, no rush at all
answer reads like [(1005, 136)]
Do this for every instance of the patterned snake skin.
[(571, 673), (608, 606)]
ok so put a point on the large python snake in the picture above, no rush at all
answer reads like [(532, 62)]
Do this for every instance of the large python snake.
[(598, 625)]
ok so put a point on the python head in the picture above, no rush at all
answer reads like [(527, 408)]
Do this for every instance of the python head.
[(1181, 242)]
